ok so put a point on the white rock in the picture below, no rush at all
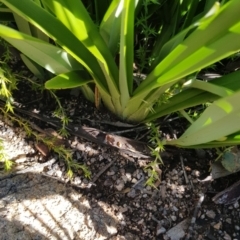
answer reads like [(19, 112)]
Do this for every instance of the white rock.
[(227, 237), (229, 220), (211, 214), (178, 231), (120, 185), (217, 226), (175, 209), (160, 230), (129, 176)]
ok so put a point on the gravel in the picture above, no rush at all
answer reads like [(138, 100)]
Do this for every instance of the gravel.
[(38, 200)]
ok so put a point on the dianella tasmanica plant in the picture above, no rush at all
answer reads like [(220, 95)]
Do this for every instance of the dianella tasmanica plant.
[(173, 40)]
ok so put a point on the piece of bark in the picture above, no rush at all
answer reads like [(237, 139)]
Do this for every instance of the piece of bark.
[(229, 195)]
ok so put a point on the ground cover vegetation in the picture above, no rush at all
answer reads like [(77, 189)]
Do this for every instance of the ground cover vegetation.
[(141, 60)]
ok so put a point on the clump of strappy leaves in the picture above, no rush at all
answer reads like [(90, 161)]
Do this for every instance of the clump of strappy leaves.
[(153, 167)]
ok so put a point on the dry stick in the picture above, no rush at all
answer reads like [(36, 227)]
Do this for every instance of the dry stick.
[(129, 130), (193, 220), (184, 171), (116, 124), (201, 198), (102, 171)]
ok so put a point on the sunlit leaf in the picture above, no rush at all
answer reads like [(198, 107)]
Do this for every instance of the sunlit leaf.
[(67, 80)]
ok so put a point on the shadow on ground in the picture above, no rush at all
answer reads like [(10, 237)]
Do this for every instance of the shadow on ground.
[(33, 206)]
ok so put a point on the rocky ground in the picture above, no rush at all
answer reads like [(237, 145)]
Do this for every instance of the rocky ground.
[(39, 201)]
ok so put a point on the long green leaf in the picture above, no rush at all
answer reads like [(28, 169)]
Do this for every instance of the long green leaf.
[(75, 17), (110, 26), (178, 39), (191, 55), (50, 57), (61, 34), (193, 97), (209, 87), (231, 140), (67, 80), (217, 121), (33, 67), (126, 51)]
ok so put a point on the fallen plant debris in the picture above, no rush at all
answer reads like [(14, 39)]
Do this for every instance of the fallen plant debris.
[(134, 148)]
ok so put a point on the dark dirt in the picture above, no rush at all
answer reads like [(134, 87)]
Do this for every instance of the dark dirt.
[(138, 211)]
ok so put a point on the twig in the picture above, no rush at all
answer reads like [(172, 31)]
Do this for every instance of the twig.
[(193, 220), (185, 174), (116, 124), (102, 171), (138, 182), (184, 171), (129, 130)]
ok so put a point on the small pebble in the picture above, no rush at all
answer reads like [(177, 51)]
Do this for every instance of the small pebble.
[(236, 204), (132, 193), (217, 226), (134, 180), (110, 173), (227, 237), (160, 230), (120, 185), (211, 214), (229, 220), (175, 209)]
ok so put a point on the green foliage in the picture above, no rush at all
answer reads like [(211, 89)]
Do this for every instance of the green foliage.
[(4, 158), (8, 82), (152, 168), (62, 152), (172, 42), (153, 175)]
